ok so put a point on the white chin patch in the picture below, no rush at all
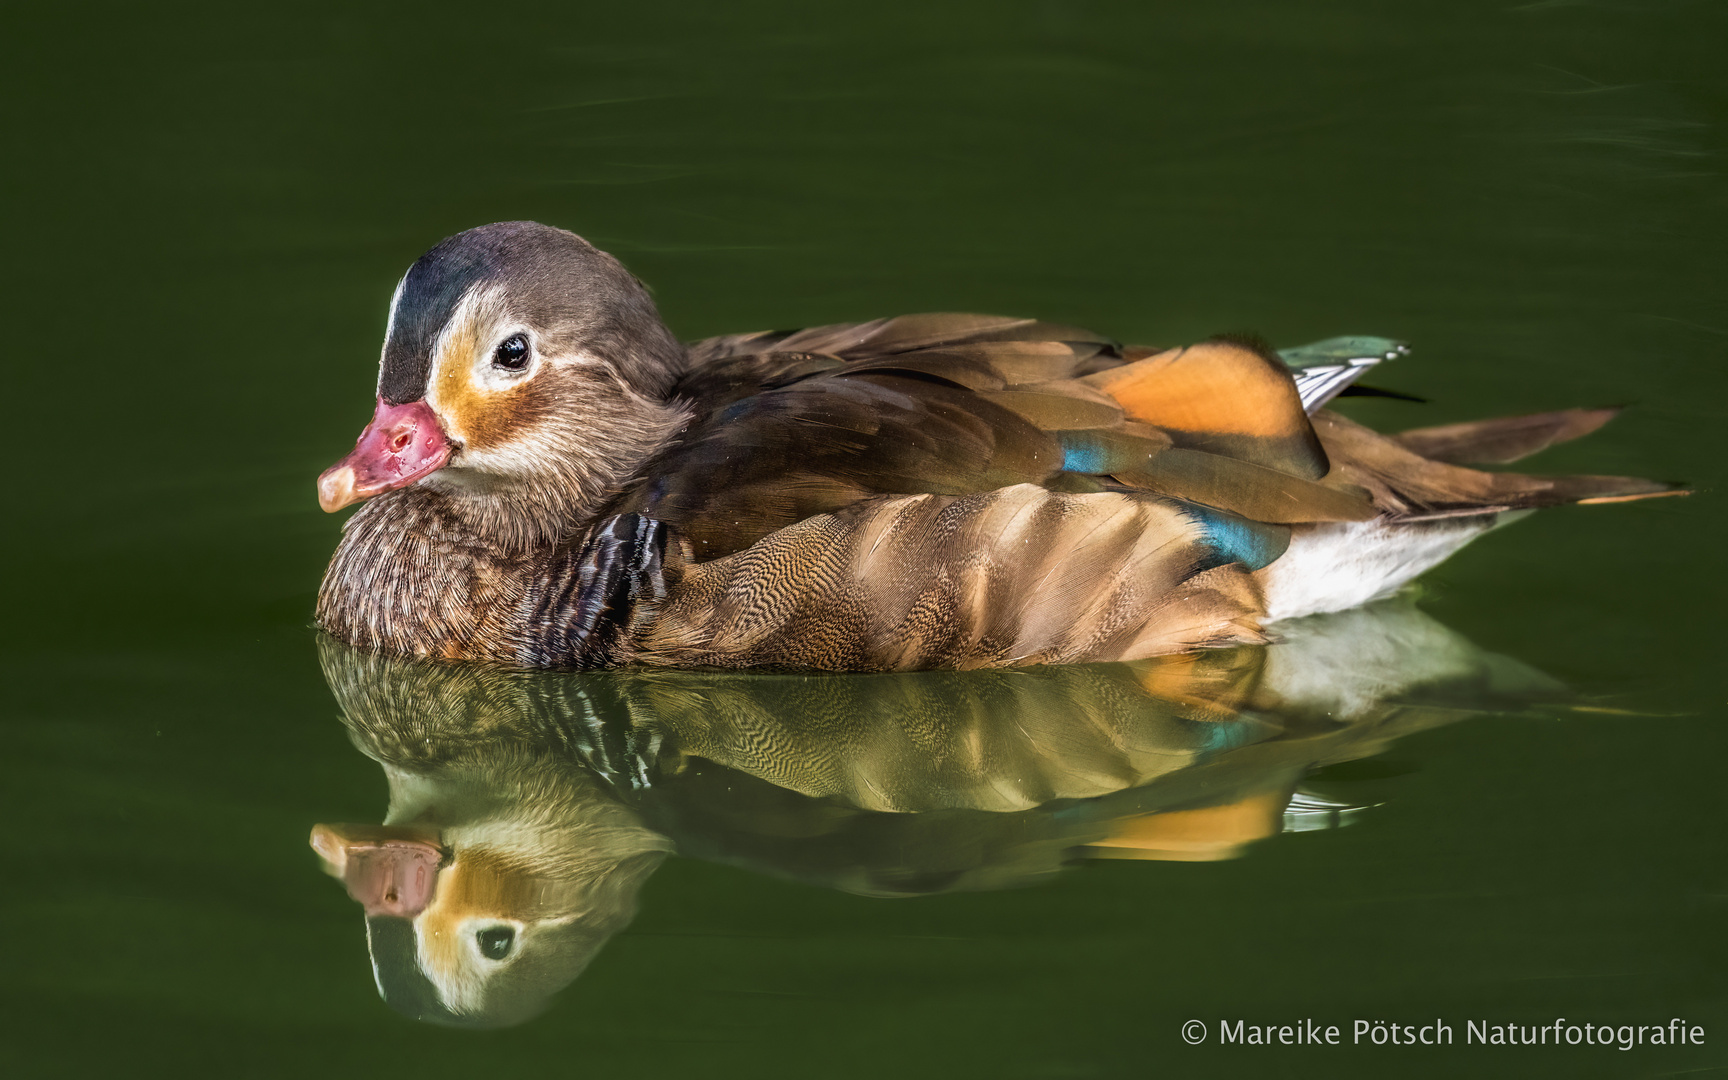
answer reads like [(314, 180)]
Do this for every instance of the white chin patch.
[(521, 457)]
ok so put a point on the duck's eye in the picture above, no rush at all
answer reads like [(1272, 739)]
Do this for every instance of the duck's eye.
[(495, 942), (511, 353)]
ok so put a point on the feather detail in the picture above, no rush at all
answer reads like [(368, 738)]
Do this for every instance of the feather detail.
[(973, 374), (905, 333), (1236, 539), (1408, 486), (1325, 369), (1010, 577), (1244, 488), (771, 459), (1430, 508), (1055, 411), (1223, 398), (1027, 362), (1503, 439), (1111, 452), (1340, 565)]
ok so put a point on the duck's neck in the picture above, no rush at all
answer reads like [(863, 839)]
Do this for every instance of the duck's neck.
[(552, 483), (413, 577), (442, 568)]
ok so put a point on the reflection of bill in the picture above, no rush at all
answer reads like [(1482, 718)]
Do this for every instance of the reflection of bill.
[(527, 809)]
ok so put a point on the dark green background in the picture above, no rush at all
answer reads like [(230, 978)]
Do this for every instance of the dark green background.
[(207, 209)]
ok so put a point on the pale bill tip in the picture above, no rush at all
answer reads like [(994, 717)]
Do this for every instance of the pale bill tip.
[(336, 489)]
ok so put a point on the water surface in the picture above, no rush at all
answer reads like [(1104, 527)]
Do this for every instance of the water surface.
[(208, 208)]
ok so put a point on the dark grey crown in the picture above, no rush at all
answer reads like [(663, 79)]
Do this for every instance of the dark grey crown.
[(569, 292)]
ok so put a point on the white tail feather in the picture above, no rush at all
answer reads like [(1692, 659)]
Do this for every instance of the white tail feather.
[(1334, 566)]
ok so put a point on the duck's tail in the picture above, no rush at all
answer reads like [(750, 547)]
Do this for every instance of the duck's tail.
[(1246, 430), (1504, 439), (1431, 504), (1413, 476)]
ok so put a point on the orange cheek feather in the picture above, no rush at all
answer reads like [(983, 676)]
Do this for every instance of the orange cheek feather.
[(483, 419)]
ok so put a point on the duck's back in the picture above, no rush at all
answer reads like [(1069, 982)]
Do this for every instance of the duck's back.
[(964, 490), (791, 425)]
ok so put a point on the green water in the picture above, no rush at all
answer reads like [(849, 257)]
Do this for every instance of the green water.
[(207, 210)]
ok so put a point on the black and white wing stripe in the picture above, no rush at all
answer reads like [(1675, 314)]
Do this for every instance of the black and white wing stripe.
[(1325, 368)]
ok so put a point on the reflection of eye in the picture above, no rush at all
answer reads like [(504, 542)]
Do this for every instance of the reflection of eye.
[(495, 942), (512, 353)]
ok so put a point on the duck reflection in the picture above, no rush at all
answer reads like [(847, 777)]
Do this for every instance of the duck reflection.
[(527, 809)]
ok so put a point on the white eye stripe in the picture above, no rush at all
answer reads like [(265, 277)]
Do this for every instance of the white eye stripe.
[(469, 337), (390, 326)]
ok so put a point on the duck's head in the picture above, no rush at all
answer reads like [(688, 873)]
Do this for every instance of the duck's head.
[(523, 368)]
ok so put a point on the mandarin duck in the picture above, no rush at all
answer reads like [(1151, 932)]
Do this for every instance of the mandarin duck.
[(554, 480)]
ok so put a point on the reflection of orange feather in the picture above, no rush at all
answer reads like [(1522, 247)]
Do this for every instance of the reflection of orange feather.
[(1204, 835), (482, 883), (1212, 684)]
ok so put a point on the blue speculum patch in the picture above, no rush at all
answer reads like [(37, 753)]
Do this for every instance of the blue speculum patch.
[(1099, 454), (1083, 458), (1254, 544)]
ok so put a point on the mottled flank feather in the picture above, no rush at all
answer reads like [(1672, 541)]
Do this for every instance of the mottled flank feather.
[(1009, 577)]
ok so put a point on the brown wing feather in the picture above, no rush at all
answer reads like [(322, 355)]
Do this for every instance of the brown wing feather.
[(768, 460), (707, 351), (1406, 485), (973, 374), (1504, 439), (1242, 487), (954, 404), (717, 384), (903, 333), (1023, 362), (1052, 411), (920, 404)]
